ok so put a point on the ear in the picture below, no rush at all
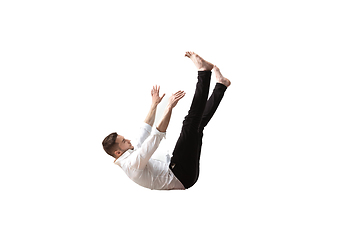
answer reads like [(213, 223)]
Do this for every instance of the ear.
[(118, 153)]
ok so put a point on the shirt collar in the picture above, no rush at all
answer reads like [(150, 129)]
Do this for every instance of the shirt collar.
[(124, 155)]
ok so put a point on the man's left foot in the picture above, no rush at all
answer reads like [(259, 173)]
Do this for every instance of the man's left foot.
[(199, 62), (220, 78)]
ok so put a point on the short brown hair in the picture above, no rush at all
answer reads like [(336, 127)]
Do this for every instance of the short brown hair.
[(109, 144)]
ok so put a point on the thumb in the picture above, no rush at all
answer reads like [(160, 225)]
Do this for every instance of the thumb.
[(162, 96)]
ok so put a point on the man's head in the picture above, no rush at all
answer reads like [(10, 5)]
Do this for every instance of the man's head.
[(115, 145)]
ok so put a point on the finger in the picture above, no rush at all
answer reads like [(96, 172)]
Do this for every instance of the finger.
[(180, 96), (178, 93), (162, 97)]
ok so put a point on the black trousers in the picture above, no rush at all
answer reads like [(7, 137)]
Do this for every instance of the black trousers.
[(186, 155)]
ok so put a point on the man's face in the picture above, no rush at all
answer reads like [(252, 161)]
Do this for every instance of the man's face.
[(124, 144)]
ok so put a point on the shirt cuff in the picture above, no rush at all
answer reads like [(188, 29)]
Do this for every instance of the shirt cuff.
[(147, 127), (161, 134)]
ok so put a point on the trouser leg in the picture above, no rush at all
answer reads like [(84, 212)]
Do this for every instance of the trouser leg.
[(211, 106), (194, 117), (185, 162)]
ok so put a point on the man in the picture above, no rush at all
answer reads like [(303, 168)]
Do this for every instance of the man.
[(183, 170)]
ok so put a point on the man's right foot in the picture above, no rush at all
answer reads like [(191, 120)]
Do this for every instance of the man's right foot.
[(199, 62), (220, 78)]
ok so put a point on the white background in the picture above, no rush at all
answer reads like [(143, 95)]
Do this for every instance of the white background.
[(280, 158)]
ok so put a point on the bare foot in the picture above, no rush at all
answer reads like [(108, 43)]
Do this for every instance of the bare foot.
[(220, 78), (199, 62)]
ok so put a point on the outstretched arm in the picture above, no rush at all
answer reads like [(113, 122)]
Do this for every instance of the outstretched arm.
[(156, 99), (173, 100)]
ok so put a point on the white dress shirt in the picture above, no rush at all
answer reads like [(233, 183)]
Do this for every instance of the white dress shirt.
[(144, 170)]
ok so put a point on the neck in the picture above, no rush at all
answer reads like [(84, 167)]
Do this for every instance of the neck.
[(116, 158)]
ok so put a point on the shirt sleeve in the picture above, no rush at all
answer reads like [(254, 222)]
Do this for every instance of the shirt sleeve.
[(147, 149), (144, 133)]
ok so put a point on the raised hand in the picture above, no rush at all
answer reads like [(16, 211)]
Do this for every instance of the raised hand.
[(156, 99), (174, 99)]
